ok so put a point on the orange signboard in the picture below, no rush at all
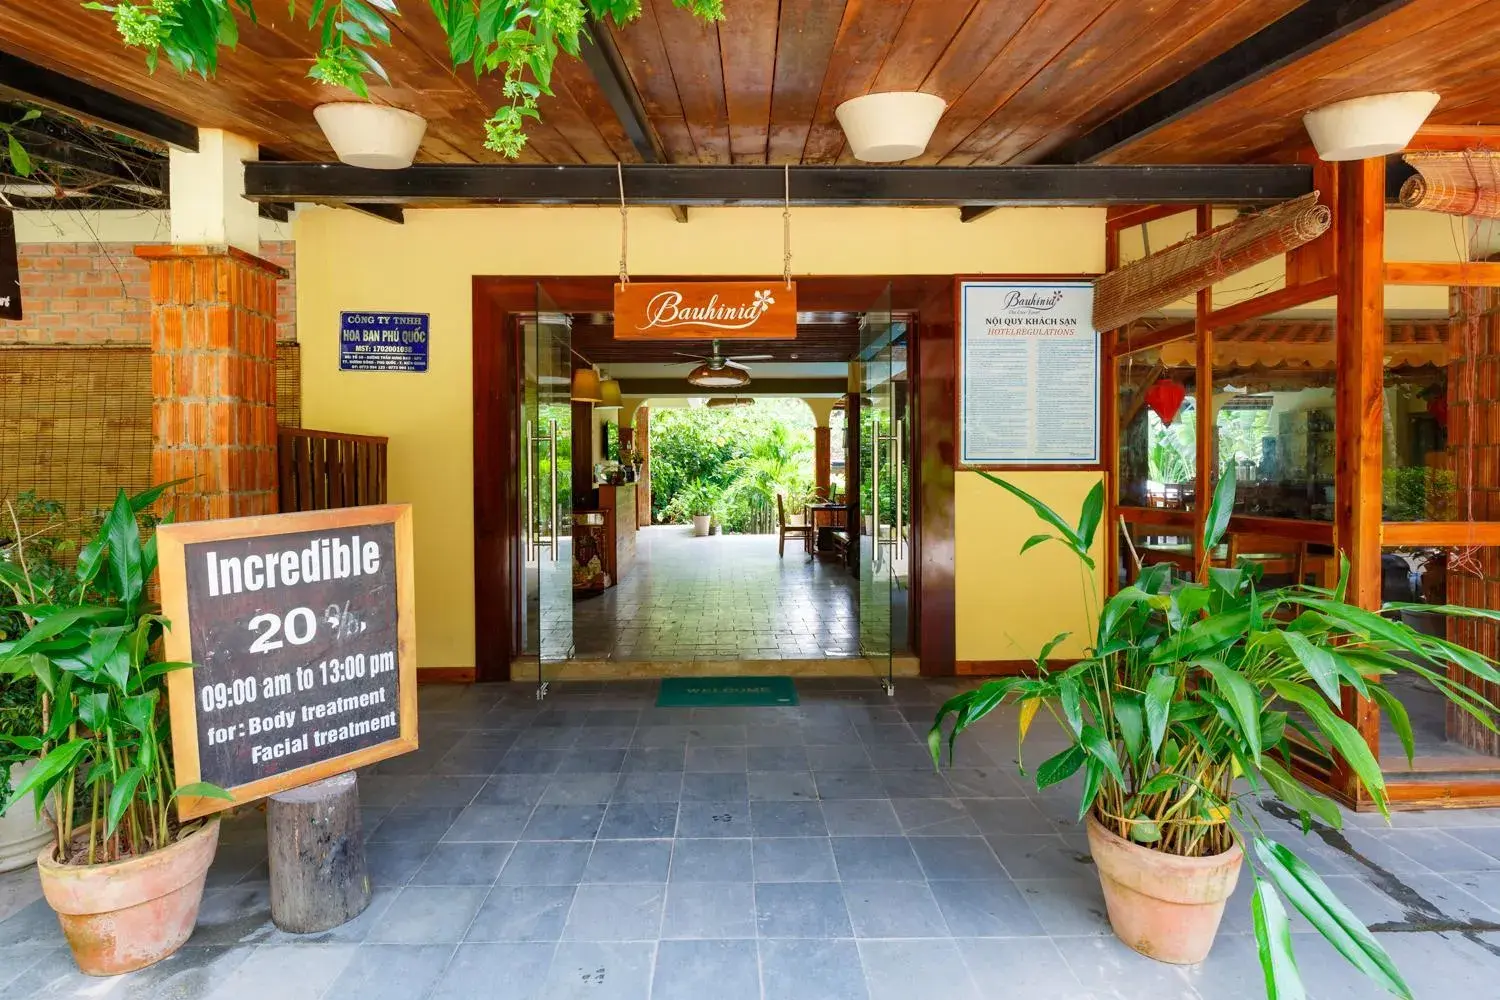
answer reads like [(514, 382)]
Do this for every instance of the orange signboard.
[(706, 310)]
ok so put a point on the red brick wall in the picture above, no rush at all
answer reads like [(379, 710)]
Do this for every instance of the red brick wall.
[(98, 293)]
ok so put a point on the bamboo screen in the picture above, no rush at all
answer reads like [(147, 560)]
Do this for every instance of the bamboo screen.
[(1454, 183), (1150, 283), (75, 422)]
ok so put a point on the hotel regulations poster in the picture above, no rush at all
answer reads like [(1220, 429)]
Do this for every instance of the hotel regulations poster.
[(1028, 374)]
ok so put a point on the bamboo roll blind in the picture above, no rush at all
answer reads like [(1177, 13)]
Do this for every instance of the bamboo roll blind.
[(75, 422), (1466, 183), (1146, 285)]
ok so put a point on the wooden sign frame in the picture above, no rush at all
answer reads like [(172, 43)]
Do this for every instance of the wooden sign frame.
[(172, 540), (1102, 438), (729, 310)]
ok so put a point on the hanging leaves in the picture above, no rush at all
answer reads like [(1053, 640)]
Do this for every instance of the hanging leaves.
[(519, 39)]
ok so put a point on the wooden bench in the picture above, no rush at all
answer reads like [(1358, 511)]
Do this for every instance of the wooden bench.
[(839, 540)]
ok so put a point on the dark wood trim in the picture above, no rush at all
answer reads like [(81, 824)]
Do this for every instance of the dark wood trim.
[(1317, 532), (1003, 668), (1125, 345), (385, 213), (1297, 35), (434, 184), (497, 550), (67, 93), (1109, 429), (446, 675)]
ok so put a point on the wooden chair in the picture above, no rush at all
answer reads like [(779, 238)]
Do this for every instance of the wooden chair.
[(1276, 556), (802, 531)]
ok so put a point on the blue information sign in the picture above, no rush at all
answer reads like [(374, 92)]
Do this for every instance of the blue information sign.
[(383, 342)]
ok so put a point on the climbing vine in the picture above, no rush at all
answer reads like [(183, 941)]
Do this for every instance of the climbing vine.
[(518, 39)]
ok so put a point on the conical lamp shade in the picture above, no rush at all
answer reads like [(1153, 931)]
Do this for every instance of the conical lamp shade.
[(609, 393), (585, 386)]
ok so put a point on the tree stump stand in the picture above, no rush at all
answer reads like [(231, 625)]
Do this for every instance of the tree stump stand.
[(318, 875)]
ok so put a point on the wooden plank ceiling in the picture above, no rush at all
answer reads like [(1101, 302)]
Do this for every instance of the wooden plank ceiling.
[(1021, 76)]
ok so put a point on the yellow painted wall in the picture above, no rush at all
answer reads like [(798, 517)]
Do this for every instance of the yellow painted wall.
[(1009, 606), (347, 261)]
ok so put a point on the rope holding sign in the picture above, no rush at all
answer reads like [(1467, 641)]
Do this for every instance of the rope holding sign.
[(624, 225)]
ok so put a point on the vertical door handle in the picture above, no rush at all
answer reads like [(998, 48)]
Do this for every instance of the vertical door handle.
[(556, 527)]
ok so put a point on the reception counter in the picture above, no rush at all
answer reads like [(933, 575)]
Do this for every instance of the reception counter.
[(604, 538)]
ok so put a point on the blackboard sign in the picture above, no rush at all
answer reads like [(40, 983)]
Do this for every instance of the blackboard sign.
[(383, 342), (300, 630), (10, 268)]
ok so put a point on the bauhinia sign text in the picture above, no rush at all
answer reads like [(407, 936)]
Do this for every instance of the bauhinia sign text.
[(706, 310)]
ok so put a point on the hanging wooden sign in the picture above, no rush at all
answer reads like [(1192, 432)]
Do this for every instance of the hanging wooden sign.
[(301, 630), (10, 268), (706, 310)]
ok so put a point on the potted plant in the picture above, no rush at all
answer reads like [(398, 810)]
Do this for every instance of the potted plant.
[(1183, 709), (123, 875), (22, 831)]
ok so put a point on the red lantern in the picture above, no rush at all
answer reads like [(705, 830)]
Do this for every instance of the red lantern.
[(1165, 399), (1438, 407)]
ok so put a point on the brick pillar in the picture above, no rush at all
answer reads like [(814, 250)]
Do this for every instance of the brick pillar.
[(822, 462), (213, 379)]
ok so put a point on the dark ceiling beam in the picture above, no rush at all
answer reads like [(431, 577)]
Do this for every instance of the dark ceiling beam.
[(604, 61), (383, 211), (1295, 36), (50, 144), (43, 86), (437, 184)]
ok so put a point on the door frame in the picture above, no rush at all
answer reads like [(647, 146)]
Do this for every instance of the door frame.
[(497, 373)]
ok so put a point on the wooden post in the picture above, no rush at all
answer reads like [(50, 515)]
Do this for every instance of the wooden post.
[(822, 462), (1109, 438), (1203, 491), (1359, 351), (318, 875)]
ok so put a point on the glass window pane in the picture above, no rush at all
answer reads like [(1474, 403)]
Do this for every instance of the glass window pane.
[(1432, 446), (1468, 577), (1274, 416), (1158, 428)]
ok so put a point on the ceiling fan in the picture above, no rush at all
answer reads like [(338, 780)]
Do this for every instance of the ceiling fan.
[(720, 371)]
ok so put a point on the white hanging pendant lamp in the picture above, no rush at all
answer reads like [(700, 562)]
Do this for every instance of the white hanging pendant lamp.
[(371, 135), (1365, 127), (892, 126)]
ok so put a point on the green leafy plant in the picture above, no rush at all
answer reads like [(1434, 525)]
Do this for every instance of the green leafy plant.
[(20, 160), (519, 39), (699, 499), (1185, 705), (103, 748)]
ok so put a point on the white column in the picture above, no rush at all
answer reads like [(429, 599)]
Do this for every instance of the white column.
[(208, 188)]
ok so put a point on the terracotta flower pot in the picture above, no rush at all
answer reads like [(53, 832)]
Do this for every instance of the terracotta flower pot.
[(22, 834), (125, 916), (1164, 906)]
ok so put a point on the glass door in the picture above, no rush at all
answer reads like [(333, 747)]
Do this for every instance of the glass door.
[(879, 458), (547, 493)]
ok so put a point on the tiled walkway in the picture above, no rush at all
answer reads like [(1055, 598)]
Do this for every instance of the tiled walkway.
[(598, 847), (723, 597)]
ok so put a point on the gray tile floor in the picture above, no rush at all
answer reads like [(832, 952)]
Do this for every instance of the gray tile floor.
[(723, 597), (597, 846)]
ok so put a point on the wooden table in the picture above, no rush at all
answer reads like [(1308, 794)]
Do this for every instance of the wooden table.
[(824, 517)]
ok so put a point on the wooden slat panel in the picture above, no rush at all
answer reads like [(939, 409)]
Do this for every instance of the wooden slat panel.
[(930, 27), (1048, 32), (1417, 47), (693, 47), (805, 38), (645, 56), (286, 481), (747, 43), (303, 459), (864, 38), (572, 76)]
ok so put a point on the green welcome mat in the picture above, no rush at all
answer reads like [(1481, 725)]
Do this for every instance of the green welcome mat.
[(725, 692)]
